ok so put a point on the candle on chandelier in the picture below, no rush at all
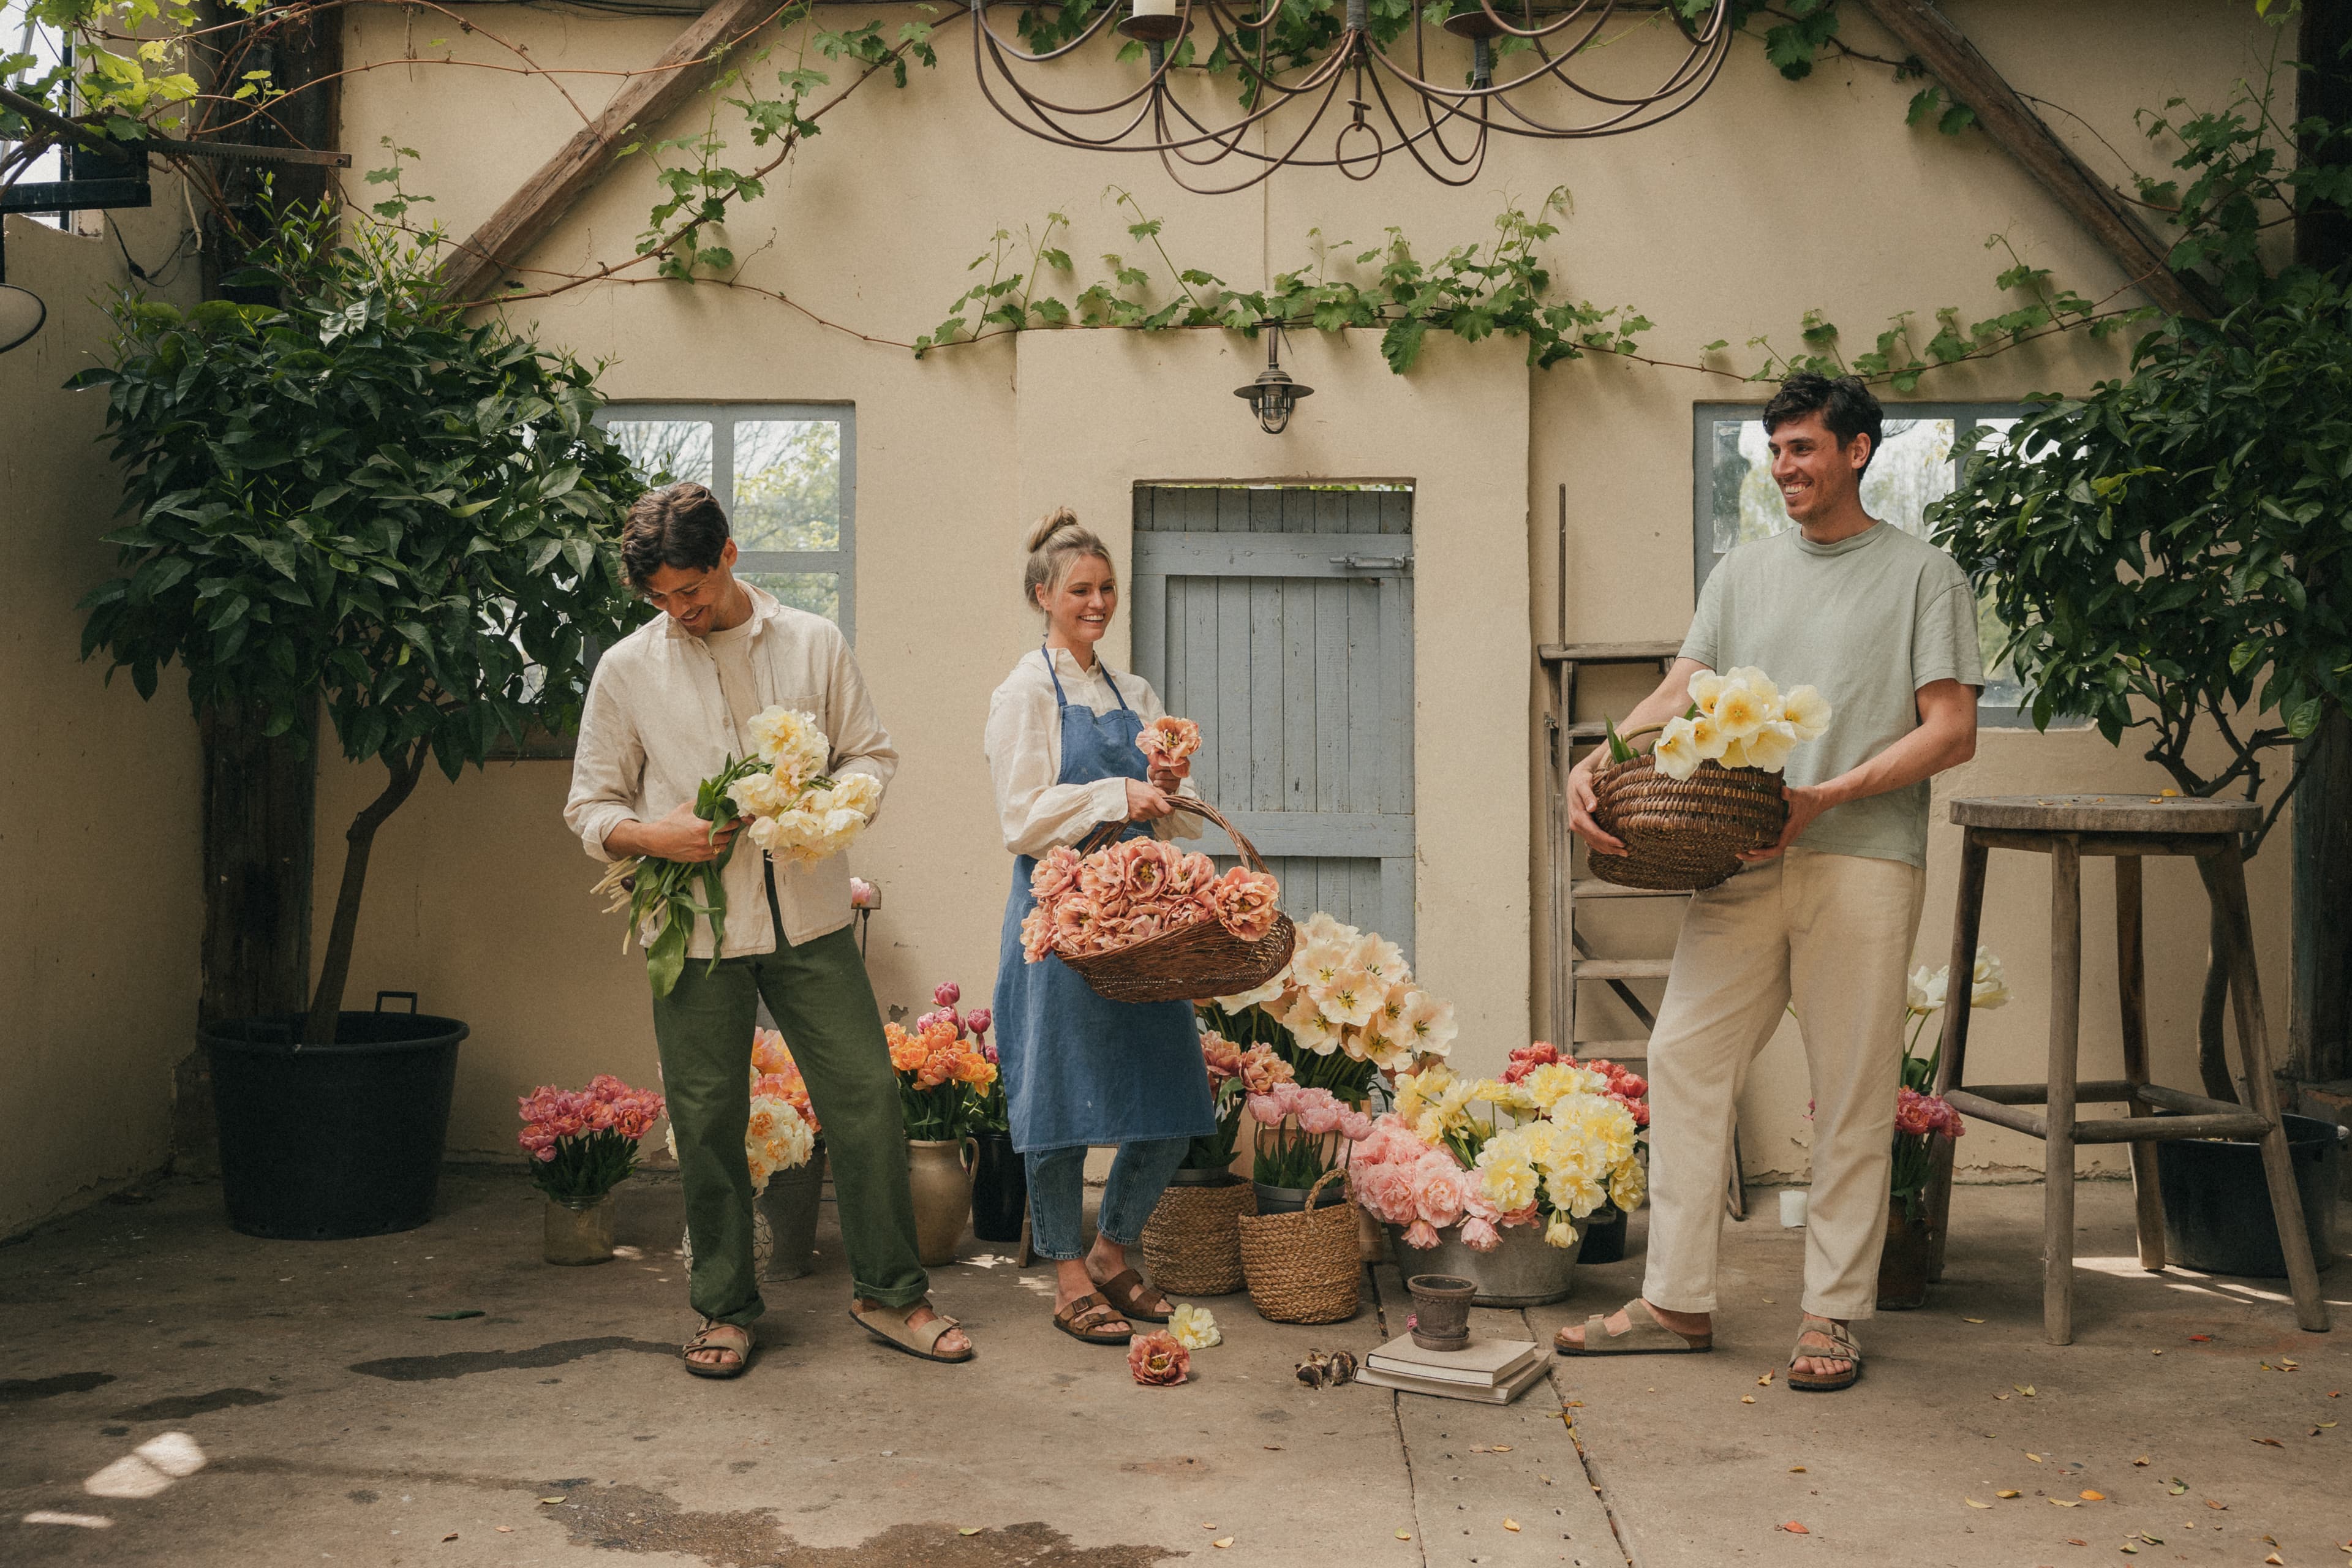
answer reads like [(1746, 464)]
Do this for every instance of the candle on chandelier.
[(1155, 7)]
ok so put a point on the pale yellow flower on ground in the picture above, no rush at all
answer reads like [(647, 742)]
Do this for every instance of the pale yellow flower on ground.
[(1194, 1328), (1807, 711), (1676, 753), (1768, 748), (1740, 710)]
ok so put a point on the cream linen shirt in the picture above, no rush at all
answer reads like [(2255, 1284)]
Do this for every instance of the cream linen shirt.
[(1024, 755), (657, 724)]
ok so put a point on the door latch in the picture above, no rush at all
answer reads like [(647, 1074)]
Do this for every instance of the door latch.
[(1372, 562)]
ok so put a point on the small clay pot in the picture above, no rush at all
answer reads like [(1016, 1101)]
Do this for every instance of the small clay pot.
[(1441, 1311)]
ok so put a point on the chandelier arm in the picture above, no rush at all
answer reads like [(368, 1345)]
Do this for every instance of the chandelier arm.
[(1639, 118), (1410, 142), (1271, 161), (1679, 82)]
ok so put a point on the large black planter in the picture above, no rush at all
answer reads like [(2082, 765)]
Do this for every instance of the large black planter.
[(324, 1142), (2217, 1206), (1604, 1235), (1000, 1188)]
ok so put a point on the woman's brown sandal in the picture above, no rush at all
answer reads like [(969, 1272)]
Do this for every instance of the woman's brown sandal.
[(1127, 1292), (735, 1344), (1839, 1346), (1089, 1318)]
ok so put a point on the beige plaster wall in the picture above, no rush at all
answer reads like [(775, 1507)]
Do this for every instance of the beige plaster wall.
[(1766, 200), (98, 789)]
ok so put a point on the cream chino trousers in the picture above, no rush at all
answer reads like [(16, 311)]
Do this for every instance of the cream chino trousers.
[(1830, 935)]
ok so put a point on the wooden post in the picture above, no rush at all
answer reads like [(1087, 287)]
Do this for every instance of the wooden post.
[(2016, 130), (644, 100), (2131, 990), (2262, 1087), (2319, 1009), (2065, 1022)]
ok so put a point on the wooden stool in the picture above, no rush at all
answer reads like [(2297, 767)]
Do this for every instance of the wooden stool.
[(2066, 827)]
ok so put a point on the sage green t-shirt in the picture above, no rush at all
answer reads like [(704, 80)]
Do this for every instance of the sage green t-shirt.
[(1868, 621)]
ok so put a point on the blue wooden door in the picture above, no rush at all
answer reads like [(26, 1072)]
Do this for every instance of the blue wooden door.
[(1280, 619)]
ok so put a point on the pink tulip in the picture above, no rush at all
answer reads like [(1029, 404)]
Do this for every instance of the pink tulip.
[(1266, 1107), (978, 1020), (1420, 1233), (1355, 1127), (1321, 1116), (947, 995), (1480, 1236)]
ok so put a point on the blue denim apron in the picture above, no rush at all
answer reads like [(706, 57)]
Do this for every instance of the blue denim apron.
[(1079, 1068)]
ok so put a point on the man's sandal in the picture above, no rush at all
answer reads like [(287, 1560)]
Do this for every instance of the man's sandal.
[(1644, 1335), (1836, 1344), (1126, 1294), (1090, 1318), (889, 1325), (731, 1342)]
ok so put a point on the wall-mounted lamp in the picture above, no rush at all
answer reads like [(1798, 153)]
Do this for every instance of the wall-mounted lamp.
[(1273, 395)]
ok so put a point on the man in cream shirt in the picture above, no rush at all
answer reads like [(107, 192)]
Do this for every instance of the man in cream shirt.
[(1885, 625), (669, 704)]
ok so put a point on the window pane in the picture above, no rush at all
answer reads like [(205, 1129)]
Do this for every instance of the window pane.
[(787, 484), (665, 451), (818, 593), (1913, 468)]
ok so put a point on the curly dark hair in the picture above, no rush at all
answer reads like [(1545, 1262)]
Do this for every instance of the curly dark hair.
[(678, 525), (1845, 405)]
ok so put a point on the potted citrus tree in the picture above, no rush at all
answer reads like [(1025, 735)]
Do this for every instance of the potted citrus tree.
[(353, 496)]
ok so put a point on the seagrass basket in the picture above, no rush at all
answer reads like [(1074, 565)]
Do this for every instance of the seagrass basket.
[(1683, 834), (1304, 1267), (1192, 961), (1193, 1244)]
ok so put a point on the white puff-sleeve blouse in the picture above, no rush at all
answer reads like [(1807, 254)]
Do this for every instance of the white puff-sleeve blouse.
[(1024, 755)]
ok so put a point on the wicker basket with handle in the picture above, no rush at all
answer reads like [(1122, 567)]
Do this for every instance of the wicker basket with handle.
[(1192, 961), (1304, 1267), (1683, 834), (1191, 1244)]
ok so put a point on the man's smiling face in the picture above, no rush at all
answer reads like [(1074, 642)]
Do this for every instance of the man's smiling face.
[(1816, 477)]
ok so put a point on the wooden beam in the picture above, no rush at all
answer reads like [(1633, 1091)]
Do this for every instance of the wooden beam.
[(643, 101), (2016, 130)]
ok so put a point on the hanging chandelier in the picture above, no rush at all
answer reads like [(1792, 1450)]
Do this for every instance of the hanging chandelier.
[(1321, 86)]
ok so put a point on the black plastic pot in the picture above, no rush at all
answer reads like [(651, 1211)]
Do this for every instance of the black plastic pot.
[(325, 1142), (2217, 1206), (1604, 1235), (1000, 1188)]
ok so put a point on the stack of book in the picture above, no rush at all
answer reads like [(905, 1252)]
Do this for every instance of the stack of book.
[(1494, 1372)]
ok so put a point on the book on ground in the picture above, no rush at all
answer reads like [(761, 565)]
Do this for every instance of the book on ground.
[(1481, 1362), (1502, 1392)]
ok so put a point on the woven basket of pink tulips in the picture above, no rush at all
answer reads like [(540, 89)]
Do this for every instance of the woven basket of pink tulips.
[(1710, 787), (1142, 920)]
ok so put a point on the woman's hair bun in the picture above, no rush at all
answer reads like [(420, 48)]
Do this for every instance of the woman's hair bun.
[(1052, 523)]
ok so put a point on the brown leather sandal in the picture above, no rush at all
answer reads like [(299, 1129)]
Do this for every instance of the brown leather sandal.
[(1089, 1318), (708, 1338), (1840, 1345), (1127, 1292)]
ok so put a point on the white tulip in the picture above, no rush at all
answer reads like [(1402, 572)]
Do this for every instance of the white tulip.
[(1740, 710), (1768, 748), (1989, 986), (1755, 680), (1706, 685), (1807, 710), (1678, 750)]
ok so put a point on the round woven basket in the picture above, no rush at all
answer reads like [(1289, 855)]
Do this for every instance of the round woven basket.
[(1191, 1244), (1192, 961), (1683, 834), (1304, 1267)]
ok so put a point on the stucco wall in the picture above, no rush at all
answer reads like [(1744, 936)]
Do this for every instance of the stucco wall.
[(1767, 199), (98, 790)]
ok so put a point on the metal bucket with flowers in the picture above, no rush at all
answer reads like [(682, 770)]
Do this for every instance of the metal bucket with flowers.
[(1709, 789)]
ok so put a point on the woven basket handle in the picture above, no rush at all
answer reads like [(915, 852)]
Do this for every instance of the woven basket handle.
[(1107, 833), (1316, 1191)]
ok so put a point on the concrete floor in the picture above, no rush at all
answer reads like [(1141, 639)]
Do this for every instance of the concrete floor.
[(324, 1414)]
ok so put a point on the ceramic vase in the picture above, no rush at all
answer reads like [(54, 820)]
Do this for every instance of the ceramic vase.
[(789, 1204), (940, 1172)]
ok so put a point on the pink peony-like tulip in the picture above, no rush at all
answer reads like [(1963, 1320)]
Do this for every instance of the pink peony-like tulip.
[(1158, 1361), (1421, 1234), (1265, 1108), (1385, 1190), (1317, 1112), (978, 1020), (1480, 1236), (947, 995), (1437, 1190), (1057, 874), (1355, 1127)]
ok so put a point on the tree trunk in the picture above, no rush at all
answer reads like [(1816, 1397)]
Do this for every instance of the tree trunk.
[(327, 1001)]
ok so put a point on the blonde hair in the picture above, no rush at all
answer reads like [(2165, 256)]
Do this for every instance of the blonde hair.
[(1055, 542)]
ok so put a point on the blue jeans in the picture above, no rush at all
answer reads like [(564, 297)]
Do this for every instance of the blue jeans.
[(1058, 1194)]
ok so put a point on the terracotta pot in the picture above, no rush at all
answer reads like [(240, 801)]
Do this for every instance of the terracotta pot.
[(940, 1171), (1441, 1311), (578, 1230), (1904, 1264)]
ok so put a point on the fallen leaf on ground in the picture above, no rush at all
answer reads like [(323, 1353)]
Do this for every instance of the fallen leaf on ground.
[(2009, 1491), (2210, 1503), (2151, 1540), (2155, 1353), (453, 1317), (1221, 1544), (1972, 1319), (1512, 1525), (506, 1530), (1404, 1535), (2087, 1495), (2032, 1456), (2064, 1502), (2000, 1396), (2024, 1388), (1796, 1469), (2275, 1558), (2178, 1486), (2202, 1339), (1765, 1381), (1747, 1399), (2270, 1442), (1973, 1503), (2076, 1540), (969, 1530), (547, 1499), (448, 1538), (1793, 1528), (2327, 1423), (2141, 1461), (2128, 1550), (1500, 1449)]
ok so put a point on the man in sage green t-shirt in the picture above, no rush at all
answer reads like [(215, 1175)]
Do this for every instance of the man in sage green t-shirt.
[(1884, 626)]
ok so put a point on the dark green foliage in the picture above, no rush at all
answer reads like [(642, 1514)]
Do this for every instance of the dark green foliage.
[(357, 494)]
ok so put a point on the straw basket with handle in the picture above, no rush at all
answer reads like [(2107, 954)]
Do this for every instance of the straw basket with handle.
[(1191, 1243), (1304, 1267), (1683, 834), (1192, 961)]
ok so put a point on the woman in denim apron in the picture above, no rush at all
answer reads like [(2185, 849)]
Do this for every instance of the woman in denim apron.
[(1079, 1068)]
